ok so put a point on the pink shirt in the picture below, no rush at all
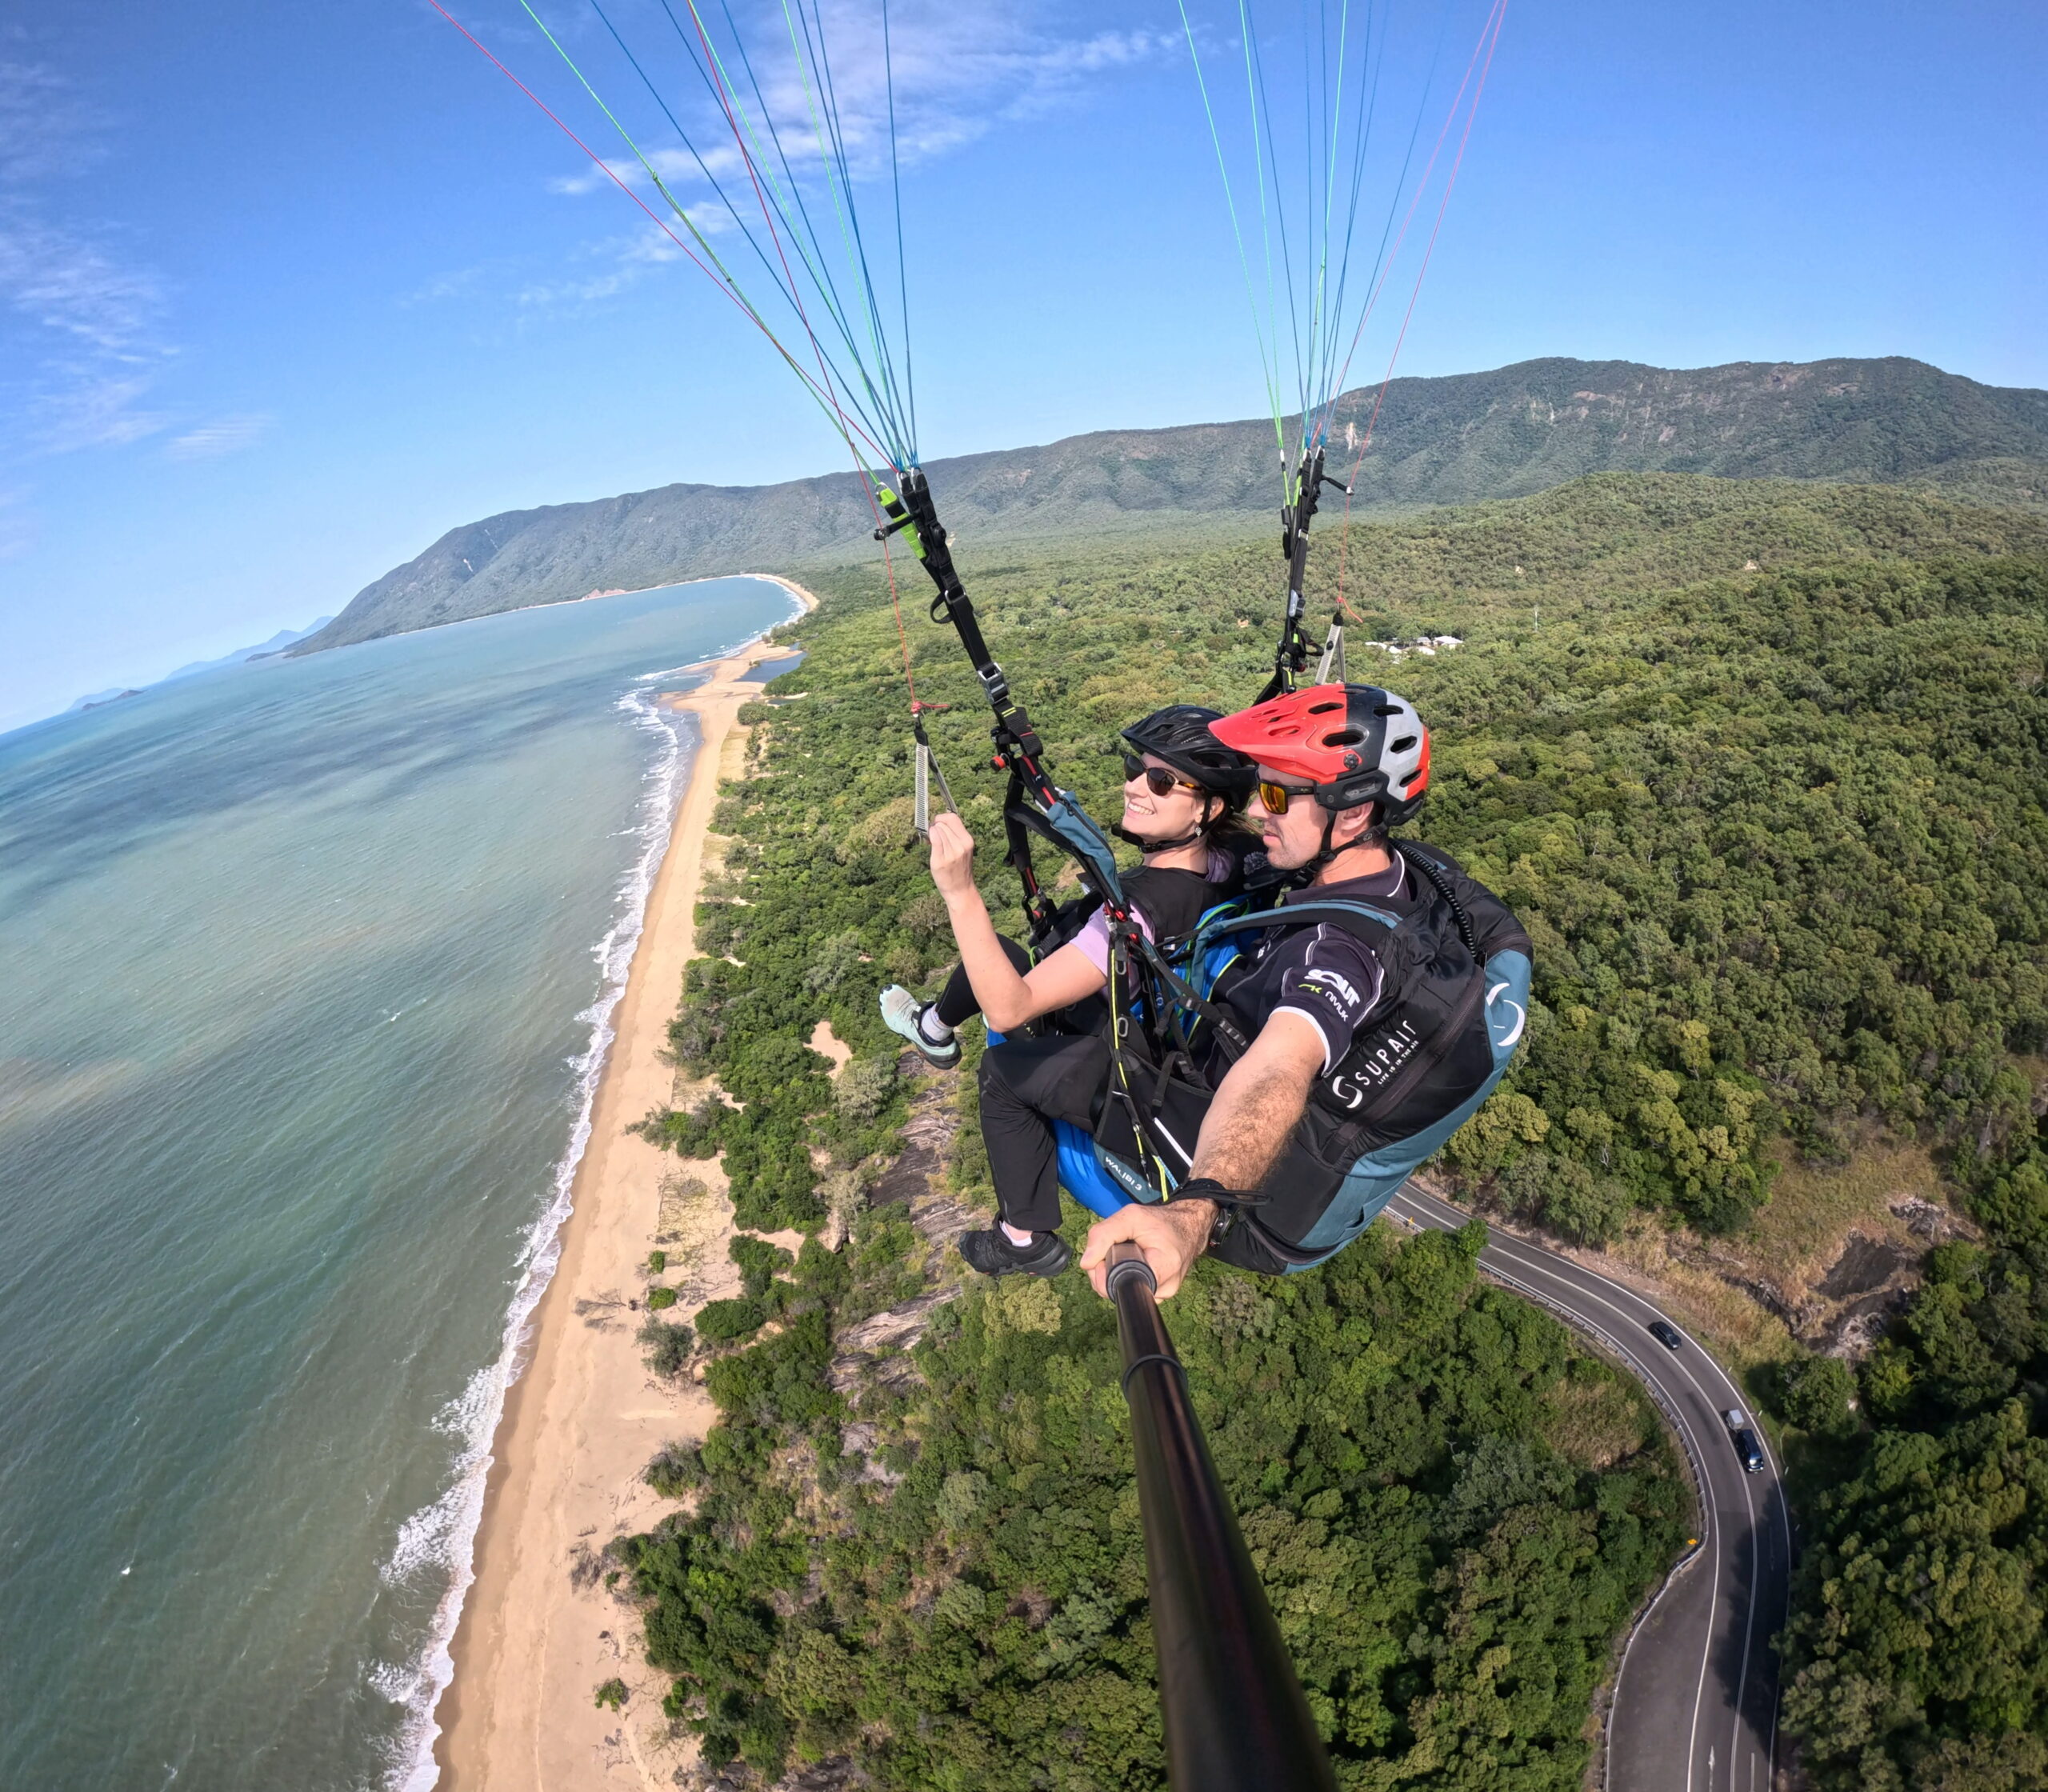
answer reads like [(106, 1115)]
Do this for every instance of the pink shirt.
[(1094, 939)]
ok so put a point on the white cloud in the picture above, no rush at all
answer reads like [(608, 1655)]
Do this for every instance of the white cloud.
[(960, 68), (67, 283), (17, 524), (456, 283), (81, 322), (42, 125), (225, 435), (674, 166), (93, 408)]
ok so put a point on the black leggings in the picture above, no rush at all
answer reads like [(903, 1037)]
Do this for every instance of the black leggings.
[(956, 1005), (1027, 1085)]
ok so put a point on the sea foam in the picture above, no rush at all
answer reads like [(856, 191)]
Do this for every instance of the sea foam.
[(441, 1538)]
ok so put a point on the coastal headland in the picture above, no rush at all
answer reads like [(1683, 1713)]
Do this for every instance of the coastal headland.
[(539, 1631)]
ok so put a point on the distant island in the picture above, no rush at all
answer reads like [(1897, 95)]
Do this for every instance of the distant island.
[(239, 656), (1510, 433)]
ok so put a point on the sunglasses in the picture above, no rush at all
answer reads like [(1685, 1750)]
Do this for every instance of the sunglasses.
[(1157, 780), (1274, 797)]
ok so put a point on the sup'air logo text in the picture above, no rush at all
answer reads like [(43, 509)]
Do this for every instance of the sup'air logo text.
[(1372, 1068)]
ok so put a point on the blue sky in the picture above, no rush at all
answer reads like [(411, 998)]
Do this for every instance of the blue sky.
[(288, 289)]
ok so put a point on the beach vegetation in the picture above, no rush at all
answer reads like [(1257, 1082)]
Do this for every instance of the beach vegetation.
[(867, 1091), (668, 1348), (691, 1132), (759, 1262), (721, 1322), (612, 1695), (657, 1261), (660, 1299), (675, 1471), (1781, 838)]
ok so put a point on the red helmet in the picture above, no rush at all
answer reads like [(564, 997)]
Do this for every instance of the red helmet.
[(1354, 743)]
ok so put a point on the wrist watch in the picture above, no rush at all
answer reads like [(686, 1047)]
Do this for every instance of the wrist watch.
[(1226, 1203)]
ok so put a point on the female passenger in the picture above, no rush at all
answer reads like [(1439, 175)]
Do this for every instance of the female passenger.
[(1183, 789)]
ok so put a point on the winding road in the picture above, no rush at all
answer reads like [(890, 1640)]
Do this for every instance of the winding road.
[(1695, 1709)]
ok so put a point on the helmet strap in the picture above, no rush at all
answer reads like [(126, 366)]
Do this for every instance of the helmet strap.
[(1327, 853), (1200, 831), (1144, 846), (1330, 853)]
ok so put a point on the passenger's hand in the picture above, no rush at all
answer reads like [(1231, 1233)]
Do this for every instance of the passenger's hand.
[(1172, 1235), (952, 855)]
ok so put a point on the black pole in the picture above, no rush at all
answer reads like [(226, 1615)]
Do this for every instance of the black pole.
[(1235, 1717)]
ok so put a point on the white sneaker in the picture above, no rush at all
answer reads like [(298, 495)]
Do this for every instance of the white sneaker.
[(902, 1013)]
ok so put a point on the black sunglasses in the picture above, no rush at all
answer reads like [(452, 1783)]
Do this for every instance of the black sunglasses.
[(1159, 780)]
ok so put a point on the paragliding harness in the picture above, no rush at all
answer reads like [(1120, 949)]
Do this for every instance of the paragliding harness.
[(1145, 989), (1452, 1010), (1032, 803)]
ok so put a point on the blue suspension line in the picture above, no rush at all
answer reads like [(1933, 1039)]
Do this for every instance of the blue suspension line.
[(820, 57), (896, 195)]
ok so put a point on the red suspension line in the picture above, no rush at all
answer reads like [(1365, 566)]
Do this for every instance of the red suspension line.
[(1495, 20)]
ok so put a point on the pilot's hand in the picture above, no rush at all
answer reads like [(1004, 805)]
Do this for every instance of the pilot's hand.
[(952, 855), (1172, 1235)]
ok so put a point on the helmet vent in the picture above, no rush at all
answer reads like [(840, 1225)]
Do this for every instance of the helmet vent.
[(1405, 744), (1344, 737), (1323, 709), (1390, 709)]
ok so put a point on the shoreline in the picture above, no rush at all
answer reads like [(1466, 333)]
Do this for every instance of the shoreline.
[(582, 1415)]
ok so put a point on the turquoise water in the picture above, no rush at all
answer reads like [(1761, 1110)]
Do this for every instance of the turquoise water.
[(308, 969)]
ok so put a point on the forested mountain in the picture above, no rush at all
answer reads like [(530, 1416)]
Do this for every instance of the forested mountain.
[(1781, 838), (1504, 434)]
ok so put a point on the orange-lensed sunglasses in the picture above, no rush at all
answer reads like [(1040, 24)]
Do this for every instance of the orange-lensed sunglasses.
[(1274, 797)]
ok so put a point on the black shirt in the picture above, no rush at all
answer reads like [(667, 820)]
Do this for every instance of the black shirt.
[(1329, 976)]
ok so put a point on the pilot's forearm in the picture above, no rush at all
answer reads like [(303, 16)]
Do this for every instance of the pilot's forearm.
[(1257, 1105)]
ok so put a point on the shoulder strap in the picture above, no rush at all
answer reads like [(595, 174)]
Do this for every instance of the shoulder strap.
[(1298, 914), (1487, 925), (1419, 861), (1066, 825), (1172, 901)]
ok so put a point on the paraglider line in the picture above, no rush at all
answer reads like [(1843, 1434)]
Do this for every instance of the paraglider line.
[(723, 284), (1421, 186), (1498, 19), (760, 198), (711, 179)]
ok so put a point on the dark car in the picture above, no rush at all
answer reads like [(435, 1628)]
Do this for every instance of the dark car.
[(1666, 1334), (1747, 1451)]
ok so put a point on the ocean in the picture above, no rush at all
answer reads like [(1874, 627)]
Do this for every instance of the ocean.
[(308, 969)]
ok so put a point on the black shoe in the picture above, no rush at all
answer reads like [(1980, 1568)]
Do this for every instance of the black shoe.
[(992, 1253)]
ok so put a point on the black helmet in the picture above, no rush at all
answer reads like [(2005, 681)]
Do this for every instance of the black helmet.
[(1179, 735)]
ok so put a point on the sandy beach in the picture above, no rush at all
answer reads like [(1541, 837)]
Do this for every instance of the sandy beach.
[(539, 1631)]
